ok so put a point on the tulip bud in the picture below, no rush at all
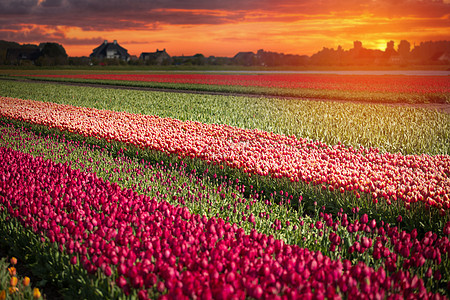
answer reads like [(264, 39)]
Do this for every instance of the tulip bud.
[(319, 225), (121, 282), (142, 295), (108, 271), (258, 292), (137, 281), (366, 242), (160, 286), (364, 219), (13, 281), (13, 261), (351, 249), (36, 293), (373, 224), (437, 275), (447, 228), (230, 277), (26, 281), (376, 253)]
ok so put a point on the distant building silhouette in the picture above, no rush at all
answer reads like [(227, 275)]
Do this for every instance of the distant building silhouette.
[(269, 59), (431, 52), (110, 51), (245, 58), (160, 57), (18, 56), (356, 56)]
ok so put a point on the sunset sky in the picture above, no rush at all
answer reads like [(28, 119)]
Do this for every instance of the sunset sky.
[(223, 27)]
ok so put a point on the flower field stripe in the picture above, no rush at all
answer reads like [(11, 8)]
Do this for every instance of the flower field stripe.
[(154, 247), (389, 177), (368, 83), (344, 236), (390, 128)]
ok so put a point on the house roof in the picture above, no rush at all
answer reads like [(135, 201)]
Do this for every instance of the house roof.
[(154, 55), (102, 50), (244, 54)]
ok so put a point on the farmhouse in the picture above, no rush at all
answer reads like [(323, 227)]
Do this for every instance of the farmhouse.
[(160, 57), (110, 51), (245, 58)]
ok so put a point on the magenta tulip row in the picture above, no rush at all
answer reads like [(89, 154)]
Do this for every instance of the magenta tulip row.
[(152, 246), (387, 177), (385, 242)]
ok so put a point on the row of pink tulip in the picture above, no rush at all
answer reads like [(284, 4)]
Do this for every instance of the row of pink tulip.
[(154, 247), (387, 177)]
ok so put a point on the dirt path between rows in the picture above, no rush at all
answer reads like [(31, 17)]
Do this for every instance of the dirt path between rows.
[(441, 107)]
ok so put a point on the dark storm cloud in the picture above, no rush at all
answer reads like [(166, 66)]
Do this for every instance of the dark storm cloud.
[(14, 7), (34, 34), (131, 14), (51, 3), (39, 34)]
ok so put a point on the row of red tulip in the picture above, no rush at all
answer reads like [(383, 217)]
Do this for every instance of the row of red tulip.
[(152, 246), (369, 83), (388, 177)]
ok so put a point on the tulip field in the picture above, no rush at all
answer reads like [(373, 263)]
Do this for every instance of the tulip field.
[(372, 88), (389, 128), (118, 194)]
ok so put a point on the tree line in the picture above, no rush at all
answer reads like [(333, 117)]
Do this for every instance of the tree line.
[(426, 53)]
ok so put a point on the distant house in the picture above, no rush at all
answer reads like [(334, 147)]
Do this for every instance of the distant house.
[(160, 57), (245, 58), (110, 51), (443, 57), (395, 59), (20, 55)]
